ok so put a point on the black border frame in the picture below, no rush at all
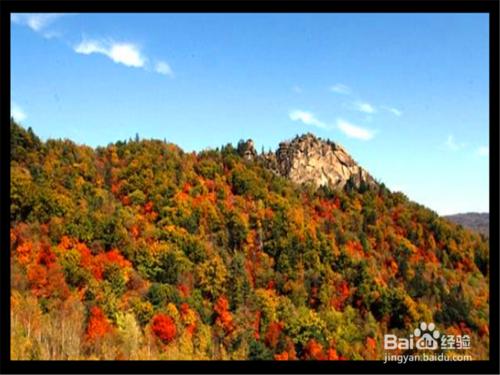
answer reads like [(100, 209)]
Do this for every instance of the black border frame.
[(7, 7)]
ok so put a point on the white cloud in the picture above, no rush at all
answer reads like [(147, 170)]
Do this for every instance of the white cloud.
[(340, 88), (354, 131), (38, 22), (394, 111), (452, 145), (127, 54), (307, 118), (351, 130), (162, 67), (364, 107), (88, 47), (483, 151), (17, 112)]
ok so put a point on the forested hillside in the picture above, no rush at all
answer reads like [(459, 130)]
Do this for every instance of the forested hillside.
[(139, 250)]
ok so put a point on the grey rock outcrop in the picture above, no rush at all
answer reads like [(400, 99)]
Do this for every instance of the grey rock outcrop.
[(311, 159)]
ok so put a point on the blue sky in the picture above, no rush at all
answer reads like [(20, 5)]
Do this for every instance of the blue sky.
[(406, 94)]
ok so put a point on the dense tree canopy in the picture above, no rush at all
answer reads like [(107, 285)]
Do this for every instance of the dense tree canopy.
[(139, 250)]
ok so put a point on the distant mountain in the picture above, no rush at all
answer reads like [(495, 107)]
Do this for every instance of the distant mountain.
[(479, 222)]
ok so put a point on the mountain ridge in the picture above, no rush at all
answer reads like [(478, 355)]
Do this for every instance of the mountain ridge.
[(477, 221)]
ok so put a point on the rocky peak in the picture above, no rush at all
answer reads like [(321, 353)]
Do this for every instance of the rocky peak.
[(247, 149), (308, 158)]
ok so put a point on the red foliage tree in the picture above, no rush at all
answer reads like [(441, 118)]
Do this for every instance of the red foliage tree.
[(273, 334), (37, 277), (46, 256), (56, 284), (164, 328), (24, 252), (371, 348), (148, 207), (135, 231), (354, 249), (331, 355), (342, 294), (114, 256), (96, 264), (65, 243), (256, 325), (224, 317), (281, 356), (314, 350), (183, 290), (98, 325)]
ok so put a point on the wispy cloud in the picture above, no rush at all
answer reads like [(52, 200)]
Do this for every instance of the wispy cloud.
[(127, 54), (350, 130), (451, 143), (340, 88), (307, 118), (38, 22), (364, 107), (483, 151), (162, 67), (361, 105), (297, 89), (17, 112), (394, 111), (35, 21), (354, 131)]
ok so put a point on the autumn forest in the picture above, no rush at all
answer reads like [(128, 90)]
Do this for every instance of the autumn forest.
[(139, 250)]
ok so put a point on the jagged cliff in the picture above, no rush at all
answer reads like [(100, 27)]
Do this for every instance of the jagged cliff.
[(308, 158)]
